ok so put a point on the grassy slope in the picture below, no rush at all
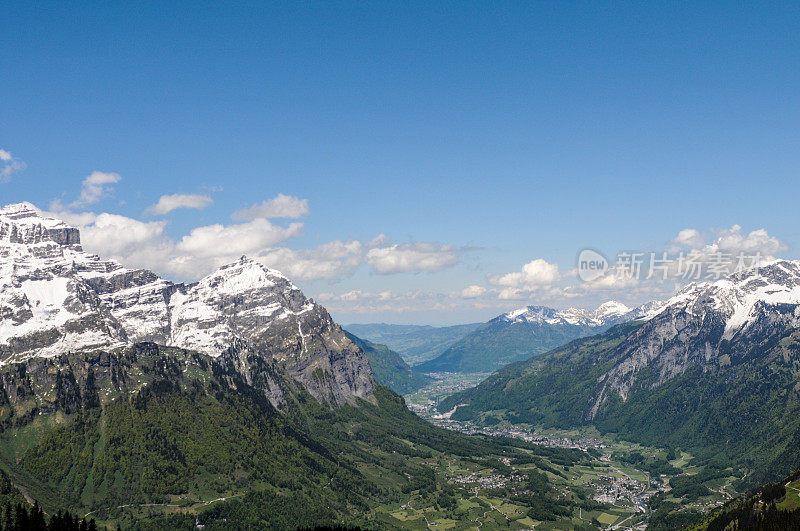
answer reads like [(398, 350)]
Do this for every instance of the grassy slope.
[(774, 506), (546, 389)]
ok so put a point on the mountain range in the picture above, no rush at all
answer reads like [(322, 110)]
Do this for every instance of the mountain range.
[(715, 370), (524, 333), (56, 298), (233, 402)]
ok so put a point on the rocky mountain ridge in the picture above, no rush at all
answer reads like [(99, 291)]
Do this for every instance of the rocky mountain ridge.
[(701, 322), (695, 326), (56, 298)]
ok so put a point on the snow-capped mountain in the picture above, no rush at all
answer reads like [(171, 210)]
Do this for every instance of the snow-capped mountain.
[(703, 325), (738, 297), (54, 298), (606, 314), (709, 323)]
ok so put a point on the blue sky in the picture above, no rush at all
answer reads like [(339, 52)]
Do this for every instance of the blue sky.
[(476, 138)]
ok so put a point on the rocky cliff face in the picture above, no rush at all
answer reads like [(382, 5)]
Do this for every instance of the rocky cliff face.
[(708, 328), (55, 298), (706, 321)]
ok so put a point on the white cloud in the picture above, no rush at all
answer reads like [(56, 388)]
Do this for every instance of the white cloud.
[(537, 282), (129, 241), (758, 241), (730, 250), (690, 259), (690, 238), (236, 240), (364, 302), (328, 261), (95, 187), (354, 295), (168, 203), (357, 301), (411, 257), (205, 248), (120, 236), (137, 243), (731, 241), (472, 292), (282, 206), (348, 296), (9, 165), (616, 278), (146, 244), (512, 294), (534, 274)]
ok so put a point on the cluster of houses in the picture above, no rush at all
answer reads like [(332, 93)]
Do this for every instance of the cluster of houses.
[(613, 489), (584, 443)]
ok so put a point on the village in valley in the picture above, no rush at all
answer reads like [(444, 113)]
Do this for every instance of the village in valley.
[(624, 489)]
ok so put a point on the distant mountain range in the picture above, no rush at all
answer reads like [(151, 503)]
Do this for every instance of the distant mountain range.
[(415, 343), (715, 370), (240, 401), (526, 332)]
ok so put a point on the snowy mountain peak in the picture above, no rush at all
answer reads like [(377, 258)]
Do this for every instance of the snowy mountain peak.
[(14, 208), (607, 313), (23, 223), (737, 297), (531, 314), (247, 272), (610, 309), (708, 324), (54, 298)]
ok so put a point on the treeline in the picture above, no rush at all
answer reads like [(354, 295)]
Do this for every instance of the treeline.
[(23, 518)]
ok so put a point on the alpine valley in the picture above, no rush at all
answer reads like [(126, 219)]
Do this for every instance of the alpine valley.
[(234, 402), (715, 372), (415, 343)]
